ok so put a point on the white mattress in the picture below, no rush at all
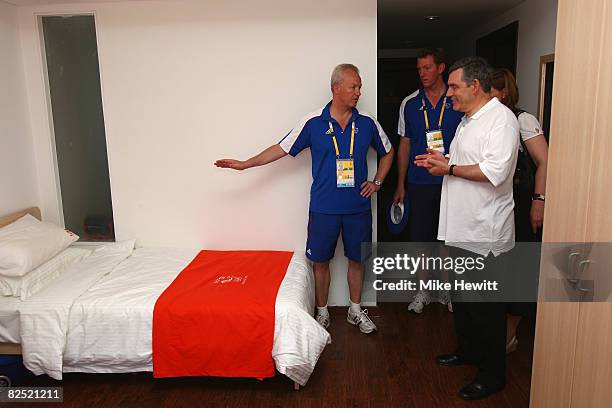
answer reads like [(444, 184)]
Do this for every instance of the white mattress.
[(109, 327)]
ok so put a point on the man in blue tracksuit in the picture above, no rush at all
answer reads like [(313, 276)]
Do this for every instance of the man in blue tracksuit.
[(426, 119), (339, 137)]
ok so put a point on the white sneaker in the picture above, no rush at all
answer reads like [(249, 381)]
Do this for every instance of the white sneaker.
[(361, 320), (445, 299), (420, 300), (323, 320)]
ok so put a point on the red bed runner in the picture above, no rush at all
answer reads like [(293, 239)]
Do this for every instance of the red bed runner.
[(217, 317)]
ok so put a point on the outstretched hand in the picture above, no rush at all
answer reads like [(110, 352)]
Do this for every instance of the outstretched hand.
[(433, 161), (230, 164)]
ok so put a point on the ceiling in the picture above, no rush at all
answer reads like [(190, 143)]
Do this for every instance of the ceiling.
[(402, 23)]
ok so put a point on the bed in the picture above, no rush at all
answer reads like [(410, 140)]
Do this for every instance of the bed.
[(97, 316)]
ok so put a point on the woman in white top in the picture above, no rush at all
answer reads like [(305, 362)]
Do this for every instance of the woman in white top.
[(529, 205)]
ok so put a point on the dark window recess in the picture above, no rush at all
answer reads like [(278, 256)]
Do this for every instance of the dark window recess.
[(78, 123)]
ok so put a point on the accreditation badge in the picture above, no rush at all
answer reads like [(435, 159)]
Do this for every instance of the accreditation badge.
[(435, 140), (345, 173)]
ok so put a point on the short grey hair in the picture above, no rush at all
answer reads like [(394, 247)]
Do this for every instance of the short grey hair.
[(338, 73), (474, 68)]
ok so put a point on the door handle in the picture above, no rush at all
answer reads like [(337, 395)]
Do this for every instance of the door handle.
[(583, 291), (571, 267), (582, 265)]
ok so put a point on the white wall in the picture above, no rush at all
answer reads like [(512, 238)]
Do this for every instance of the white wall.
[(537, 29), (18, 184), (187, 82)]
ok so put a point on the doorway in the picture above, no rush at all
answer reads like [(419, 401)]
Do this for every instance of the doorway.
[(511, 34)]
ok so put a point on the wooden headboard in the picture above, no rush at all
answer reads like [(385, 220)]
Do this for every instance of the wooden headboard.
[(7, 219)]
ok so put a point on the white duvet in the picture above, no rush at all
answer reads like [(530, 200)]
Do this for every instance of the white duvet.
[(97, 317)]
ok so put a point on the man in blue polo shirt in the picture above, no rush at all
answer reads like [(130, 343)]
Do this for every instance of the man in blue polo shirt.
[(426, 119), (339, 137)]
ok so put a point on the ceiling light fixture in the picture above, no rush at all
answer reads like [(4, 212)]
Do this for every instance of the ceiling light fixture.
[(432, 18)]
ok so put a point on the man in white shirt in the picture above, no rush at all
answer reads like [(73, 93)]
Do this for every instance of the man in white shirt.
[(476, 214)]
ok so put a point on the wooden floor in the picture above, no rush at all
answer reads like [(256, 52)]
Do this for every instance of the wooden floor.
[(392, 368)]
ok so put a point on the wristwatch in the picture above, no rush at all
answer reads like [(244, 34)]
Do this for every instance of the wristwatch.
[(537, 196), (377, 182)]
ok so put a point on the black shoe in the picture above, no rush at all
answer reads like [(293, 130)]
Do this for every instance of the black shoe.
[(452, 360), (476, 390)]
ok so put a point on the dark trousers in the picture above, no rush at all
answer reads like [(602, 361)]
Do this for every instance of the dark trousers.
[(424, 213), (481, 328), (481, 334)]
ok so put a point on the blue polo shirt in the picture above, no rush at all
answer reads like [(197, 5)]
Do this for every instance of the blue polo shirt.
[(312, 131), (412, 125)]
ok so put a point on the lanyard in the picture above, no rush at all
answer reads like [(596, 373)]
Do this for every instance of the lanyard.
[(331, 131), (441, 114)]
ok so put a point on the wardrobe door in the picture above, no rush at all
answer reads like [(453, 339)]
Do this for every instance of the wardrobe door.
[(572, 140), (593, 367)]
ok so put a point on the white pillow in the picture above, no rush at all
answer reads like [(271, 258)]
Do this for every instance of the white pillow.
[(27, 243), (35, 280)]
